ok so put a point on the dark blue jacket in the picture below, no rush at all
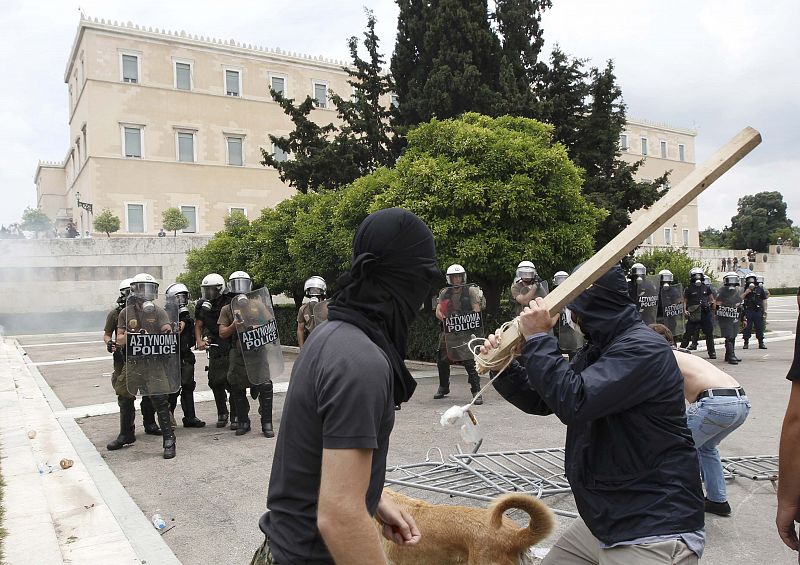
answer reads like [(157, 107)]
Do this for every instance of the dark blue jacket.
[(630, 458)]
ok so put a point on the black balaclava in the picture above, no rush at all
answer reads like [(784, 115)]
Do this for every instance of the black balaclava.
[(394, 263)]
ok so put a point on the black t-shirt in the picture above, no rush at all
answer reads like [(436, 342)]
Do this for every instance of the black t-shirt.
[(339, 397), (695, 295), (755, 298)]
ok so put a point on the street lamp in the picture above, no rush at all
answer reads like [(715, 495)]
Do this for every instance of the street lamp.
[(674, 234), (84, 205)]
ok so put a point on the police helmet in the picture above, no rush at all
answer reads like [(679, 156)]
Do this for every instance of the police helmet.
[(315, 286), (526, 270), (240, 282), (212, 286), (638, 271), (180, 292), (731, 279), (665, 277), (751, 280), (125, 287), (560, 277), (456, 269), (760, 280), (144, 286)]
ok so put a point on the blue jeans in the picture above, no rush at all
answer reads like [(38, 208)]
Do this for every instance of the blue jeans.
[(711, 420)]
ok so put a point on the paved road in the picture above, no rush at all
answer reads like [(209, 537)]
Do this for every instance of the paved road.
[(215, 490)]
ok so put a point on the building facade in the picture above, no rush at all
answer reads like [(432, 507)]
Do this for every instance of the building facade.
[(664, 148), (162, 119)]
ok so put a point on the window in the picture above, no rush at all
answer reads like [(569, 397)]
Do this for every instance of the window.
[(130, 68), (623, 142), (644, 146), (663, 149), (321, 94), (681, 152), (135, 215), (667, 236), (85, 147), (186, 147), (686, 237), (232, 82), (242, 211), (183, 76), (235, 154), (190, 213), (279, 154), (649, 240), (78, 151), (278, 84), (132, 141), (395, 101)]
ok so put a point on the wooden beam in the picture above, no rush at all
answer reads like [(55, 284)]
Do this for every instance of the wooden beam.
[(675, 200)]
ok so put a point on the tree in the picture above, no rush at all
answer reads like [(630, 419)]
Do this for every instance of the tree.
[(713, 238), (327, 157), (106, 222), (446, 60), (173, 220), (35, 220), (758, 216), (675, 260), (562, 93), (785, 234), (494, 192)]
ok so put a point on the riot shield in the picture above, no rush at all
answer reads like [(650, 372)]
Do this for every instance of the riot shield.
[(570, 338), (647, 298), (461, 307), (727, 313), (540, 287), (258, 335), (670, 308), (152, 352)]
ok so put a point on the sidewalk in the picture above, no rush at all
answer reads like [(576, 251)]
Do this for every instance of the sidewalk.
[(78, 515)]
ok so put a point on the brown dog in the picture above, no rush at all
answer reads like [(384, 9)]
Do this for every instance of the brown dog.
[(474, 536)]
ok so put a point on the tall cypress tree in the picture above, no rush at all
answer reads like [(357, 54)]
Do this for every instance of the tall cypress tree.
[(446, 59), (562, 91)]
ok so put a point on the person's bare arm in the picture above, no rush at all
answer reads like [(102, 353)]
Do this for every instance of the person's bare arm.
[(121, 337), (439, 313), (789, 472), (526, 298), (227, 331), (198, 336), (301, 334), (342, 517)]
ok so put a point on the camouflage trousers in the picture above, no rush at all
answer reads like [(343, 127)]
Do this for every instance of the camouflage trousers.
[(263, 555)]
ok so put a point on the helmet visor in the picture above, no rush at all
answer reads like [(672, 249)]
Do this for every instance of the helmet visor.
[(241, 286), (210, 292), (145, 290), (526, 273)]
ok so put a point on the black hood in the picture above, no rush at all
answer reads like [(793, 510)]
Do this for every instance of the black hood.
[(605, 308)]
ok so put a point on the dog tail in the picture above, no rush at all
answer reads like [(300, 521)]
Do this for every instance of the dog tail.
[(541, 518)]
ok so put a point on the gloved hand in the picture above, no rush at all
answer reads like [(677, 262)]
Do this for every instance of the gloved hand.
[(111, 346)]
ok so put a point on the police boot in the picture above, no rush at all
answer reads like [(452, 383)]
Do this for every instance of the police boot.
[(733, 351), (242, 412), (474, 382), (166, 430), (693, 345), (712, 354), (745, 344), (127, 413), (190, 419), (234, 412), (149, 417), (444, 379), (729, 352), (265, 409), (221, 400), (761, 344)]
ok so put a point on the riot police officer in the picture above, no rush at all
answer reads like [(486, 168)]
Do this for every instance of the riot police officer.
[(526, 287), (728, 302), (643, 292), (142, 315), (697, 301), (754, 298), (240, 283), (457, 299), (206, 330), (636, 275), (178, 296), (570, 339), (670, 303), (315, 311)]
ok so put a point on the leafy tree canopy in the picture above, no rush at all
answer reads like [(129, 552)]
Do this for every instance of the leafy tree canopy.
[(173, 220), (758, 216), (675, 260), (107, 222), (35, 220)]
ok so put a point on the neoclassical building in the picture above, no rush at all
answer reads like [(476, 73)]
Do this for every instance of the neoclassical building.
[(163, 119)]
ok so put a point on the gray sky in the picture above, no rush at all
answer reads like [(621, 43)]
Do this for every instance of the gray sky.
[(715, 65)]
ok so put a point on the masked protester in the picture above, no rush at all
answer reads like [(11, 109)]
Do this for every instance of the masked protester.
[(330, 457), (629, 455), (698, 299), (313, 312), (754, 298)]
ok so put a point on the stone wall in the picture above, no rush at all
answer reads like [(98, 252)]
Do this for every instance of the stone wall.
[(70, 284)]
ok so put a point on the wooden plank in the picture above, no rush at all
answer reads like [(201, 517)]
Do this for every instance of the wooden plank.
[(671, 203)]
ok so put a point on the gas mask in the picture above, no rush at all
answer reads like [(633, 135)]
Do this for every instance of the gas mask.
[(751, 286), (314, 299), (698, 282), (148, 307)]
